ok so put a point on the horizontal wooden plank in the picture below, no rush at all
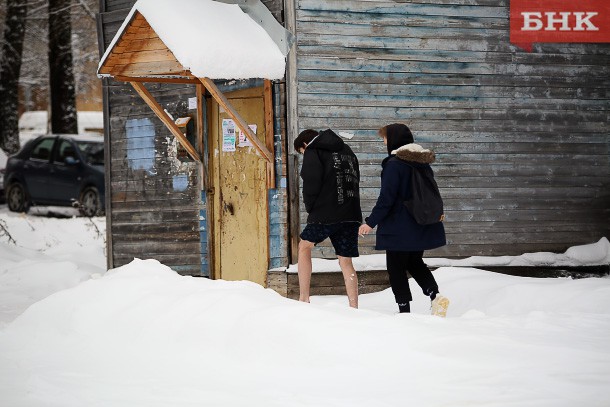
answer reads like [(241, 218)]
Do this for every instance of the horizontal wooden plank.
[(499, 145), (134, 199), (360, 28), (364, 72), (450, 91), (490, 136), (153, 248), (359, 100), (152, 217), (143, 57), (462, 202), (150, 44), (505, 61), (404, 8), (305, 16), (593, 183), (161, 238), (149, 184), (414, 113), (456, 125), (153, 229)]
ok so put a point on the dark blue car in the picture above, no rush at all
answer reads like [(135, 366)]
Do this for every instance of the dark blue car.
[(57, 170)]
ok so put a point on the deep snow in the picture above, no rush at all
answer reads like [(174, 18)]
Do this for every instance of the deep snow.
[(141, 335)]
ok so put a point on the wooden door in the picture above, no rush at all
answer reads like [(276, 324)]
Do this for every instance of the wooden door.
[(240, 221)]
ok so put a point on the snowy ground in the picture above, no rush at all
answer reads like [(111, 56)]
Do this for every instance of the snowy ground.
[(141, 335)]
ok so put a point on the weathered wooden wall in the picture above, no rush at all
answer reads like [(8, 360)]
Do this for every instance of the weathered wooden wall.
[(154, 203), (155, 208), (521, 138)]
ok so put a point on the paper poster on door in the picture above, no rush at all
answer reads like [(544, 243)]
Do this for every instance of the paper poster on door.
[(228, 135), (243, 141)]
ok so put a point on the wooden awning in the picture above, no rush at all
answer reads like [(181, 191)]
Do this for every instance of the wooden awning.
[(140, 53)]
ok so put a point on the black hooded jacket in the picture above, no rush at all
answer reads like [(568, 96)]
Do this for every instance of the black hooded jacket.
[(331, 180)]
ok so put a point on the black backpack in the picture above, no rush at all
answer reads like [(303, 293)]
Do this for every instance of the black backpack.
[(425, 203)]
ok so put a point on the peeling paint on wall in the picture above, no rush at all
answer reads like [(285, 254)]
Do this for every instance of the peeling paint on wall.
[(180, 182), (140, 144), (178, 166)]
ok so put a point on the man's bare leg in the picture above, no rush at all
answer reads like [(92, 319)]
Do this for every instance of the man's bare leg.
[(351, 280), (304, 269)]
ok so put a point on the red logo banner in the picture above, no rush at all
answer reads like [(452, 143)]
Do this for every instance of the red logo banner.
[(559, 21)]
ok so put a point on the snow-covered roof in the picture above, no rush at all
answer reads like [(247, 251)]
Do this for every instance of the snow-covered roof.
[(215, 39)]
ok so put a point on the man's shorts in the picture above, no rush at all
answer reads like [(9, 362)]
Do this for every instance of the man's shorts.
[(343, 236)]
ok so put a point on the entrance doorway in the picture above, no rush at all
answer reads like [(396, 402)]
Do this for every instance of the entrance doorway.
[(239, 199)]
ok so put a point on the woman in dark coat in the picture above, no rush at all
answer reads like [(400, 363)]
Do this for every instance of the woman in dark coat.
[(403, 239)]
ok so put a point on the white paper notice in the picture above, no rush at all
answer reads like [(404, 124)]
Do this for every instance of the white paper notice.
[(228, 135), (193, 103), (243, 140)]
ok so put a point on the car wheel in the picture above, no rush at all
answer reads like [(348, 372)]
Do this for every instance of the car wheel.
[(90, 204), (16, 198)]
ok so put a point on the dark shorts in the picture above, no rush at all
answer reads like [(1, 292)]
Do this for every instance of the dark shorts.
[(343, 236)]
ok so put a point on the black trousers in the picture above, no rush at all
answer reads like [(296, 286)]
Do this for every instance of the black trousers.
[(398, 263)]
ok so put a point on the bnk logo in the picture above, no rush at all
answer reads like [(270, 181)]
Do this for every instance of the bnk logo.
[(563, 21), (559, 21)]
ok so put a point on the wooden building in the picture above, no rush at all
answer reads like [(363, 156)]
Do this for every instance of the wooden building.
[(522, 140)]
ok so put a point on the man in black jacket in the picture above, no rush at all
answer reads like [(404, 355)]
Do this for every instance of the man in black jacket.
[(331, 179)]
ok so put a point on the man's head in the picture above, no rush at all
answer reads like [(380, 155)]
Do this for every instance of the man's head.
[(303, 139)]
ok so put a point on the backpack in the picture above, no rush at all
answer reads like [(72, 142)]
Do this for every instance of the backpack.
[(425, 203)]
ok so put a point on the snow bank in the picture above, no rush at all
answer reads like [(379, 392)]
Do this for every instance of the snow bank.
[(50, 255), (594, 254), (144, 336)]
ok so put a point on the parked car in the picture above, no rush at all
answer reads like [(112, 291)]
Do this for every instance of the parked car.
[(23, 138), (57, 170)]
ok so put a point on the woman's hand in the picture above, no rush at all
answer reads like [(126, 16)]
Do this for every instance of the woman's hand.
[(364, 229)]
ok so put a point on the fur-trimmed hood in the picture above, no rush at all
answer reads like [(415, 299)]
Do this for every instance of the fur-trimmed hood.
[(415, 153)]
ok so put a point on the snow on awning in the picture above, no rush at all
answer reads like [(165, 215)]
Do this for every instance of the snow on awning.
[(212, 39)]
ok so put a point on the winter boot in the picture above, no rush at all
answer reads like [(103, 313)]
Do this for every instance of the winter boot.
[(404, 307), (439, 306)]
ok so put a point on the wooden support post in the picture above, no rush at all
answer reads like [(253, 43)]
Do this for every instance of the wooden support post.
[(268, 102), (200, 114), (169, 123), (239, 121)]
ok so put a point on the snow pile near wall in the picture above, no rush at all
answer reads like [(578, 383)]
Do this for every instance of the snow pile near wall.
[(144, 336), (594, 254)]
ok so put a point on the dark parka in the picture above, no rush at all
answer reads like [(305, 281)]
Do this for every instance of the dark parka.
[(396, 228), (331, 179)]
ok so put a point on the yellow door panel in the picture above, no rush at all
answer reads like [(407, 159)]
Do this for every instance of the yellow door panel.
[(240, 198)]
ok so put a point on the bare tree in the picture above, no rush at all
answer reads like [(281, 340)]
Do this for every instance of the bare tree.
[(63, 98), (34, 79), (10, 66)]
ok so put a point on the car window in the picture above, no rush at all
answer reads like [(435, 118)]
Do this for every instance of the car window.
[(65, 150), (42, 151), (92, 151)]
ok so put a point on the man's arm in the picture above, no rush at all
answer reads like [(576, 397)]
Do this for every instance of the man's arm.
[(312, 174)]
